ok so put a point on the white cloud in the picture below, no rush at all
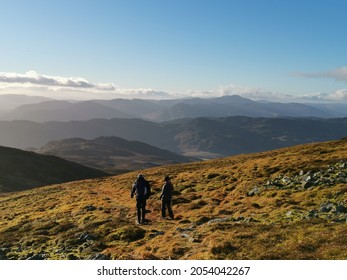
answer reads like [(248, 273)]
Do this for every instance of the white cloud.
[(69, 87), (247, 92), (33, 83), (339, 74), (34, 78), (335, 96)]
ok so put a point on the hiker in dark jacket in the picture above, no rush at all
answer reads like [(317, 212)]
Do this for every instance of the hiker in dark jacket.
[(166, 198), (142, 190)]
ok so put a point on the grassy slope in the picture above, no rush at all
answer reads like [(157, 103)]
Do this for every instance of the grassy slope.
[(22, 170), (216, 219)]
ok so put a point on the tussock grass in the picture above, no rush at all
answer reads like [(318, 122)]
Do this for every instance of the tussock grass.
[(216, 217)]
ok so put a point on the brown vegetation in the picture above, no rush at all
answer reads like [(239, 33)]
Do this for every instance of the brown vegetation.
[(225, 209)]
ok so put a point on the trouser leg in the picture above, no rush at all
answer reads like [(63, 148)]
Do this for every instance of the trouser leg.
[(170, 210), (139, 215), (163, 210), (141, 210)]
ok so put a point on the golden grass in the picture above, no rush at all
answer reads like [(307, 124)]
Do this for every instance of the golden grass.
[(216, 219)]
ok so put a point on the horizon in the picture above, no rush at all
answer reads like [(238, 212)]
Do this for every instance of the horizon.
[(281, 51)]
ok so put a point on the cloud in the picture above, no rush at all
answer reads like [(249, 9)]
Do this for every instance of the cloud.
[(247, 92), (339, 95), (339, 74), (33, 83), (70, 87), (34, 78)]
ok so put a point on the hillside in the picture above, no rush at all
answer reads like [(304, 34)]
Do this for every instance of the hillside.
[(199, 137), (20, 170), (283, 204), (112, 154)]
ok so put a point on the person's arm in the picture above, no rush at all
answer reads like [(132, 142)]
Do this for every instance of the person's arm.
[(163, 191), (133, 190)]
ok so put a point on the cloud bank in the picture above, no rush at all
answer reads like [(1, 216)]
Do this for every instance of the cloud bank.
[(339, 74), (34, 78), (69, 87), (56, 87)]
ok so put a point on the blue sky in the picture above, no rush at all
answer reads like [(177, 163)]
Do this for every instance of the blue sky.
[(148, 48)]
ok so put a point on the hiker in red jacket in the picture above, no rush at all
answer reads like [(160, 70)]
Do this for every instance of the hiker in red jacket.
[(166, 198)]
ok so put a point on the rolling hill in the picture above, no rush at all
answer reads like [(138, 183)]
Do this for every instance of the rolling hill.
[(112, 154), (282, 204), (199, 137), (63, 111), (20, 170), (9, 102)]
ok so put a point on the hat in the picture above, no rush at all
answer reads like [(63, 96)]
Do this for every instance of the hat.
[(140, 176), (167, 178)]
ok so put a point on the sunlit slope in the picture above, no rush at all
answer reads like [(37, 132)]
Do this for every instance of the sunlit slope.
[(283, 204)]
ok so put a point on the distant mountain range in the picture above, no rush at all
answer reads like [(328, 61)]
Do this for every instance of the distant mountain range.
[(199, 137), (20, 170), (9, 102), (112, 154), (40, 109)]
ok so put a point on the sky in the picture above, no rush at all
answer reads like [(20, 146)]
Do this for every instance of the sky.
[(260, 49)]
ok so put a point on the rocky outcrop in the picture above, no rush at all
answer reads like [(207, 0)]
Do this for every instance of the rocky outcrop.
[(332, 175)]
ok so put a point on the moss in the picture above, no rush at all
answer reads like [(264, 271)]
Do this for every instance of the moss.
[(127, 233)]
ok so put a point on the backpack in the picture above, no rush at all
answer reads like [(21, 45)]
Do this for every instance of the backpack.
[(147, 189), (143, 188)]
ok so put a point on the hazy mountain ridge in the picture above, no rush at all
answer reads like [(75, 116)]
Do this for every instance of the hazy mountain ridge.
[(112, 154), (282, 204), (20, 170), (204, 137), (165, 110), (9, 102), (63, 111)]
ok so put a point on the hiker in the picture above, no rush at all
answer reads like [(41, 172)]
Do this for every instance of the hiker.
[(142, 190), (166, 198)]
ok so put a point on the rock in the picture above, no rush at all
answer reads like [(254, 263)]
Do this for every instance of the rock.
[(37, 257), (156, 233), (90, 208), (327, 207), (341, 209), (99, 257), (3, 253), (308, 178), (254, 191), (286, 180), (218, 220), (306, 185), (202, 220), (340, 220), (184, 229), (86, 237), (185, 235), (72, 257), (289, 214), (312, 214)]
